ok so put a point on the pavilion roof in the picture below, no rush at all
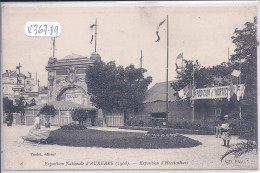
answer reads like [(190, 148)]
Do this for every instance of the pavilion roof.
[(63, 105)]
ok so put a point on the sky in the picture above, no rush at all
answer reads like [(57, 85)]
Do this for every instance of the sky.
[(201, 33)]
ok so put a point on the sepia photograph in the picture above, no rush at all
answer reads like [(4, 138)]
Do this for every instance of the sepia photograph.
[(129, 86)]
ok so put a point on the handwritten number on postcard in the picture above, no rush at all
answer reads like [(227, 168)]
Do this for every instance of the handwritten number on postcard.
[(42, 29)]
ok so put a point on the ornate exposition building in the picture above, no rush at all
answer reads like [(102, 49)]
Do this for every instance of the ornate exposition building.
[(66, 78), (66, 81)]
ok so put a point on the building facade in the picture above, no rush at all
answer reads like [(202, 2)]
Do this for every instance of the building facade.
[(15, 85), (66, 81), (154, 106)]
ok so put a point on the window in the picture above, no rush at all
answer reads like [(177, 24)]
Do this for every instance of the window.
[(159, 115)]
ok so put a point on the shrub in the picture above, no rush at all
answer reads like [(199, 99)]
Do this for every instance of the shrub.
[(190, 126), (79, 115), (73, 126), (245, 130), (160, 131), (48, 111), (158, 122), (134, 123)]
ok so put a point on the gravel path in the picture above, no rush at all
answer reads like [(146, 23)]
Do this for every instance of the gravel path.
[(19, 155)]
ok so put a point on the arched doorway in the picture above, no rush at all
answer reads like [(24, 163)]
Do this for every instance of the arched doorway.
[(74, 94)]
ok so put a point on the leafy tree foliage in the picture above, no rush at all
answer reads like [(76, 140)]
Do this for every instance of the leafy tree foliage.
[(79, 115), (20, 105), (203, 76), (48, 111), (115, 88), (8, 106), (246, 52)]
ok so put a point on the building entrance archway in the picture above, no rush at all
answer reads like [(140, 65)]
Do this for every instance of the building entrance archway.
[(74, 94)]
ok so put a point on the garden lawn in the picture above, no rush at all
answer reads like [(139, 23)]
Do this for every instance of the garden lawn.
[(111, 139), (181, 131)]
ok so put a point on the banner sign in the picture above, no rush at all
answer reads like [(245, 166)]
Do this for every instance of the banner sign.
[(219, 92)]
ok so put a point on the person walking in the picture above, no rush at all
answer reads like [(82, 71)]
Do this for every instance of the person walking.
[(225, 128), (218, 123)]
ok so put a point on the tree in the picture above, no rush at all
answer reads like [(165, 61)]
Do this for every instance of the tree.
[(203, 76), (79, 115), (48, 111), (246, 53), (8, 106), (246, 56), (20, 105), (115, 88)]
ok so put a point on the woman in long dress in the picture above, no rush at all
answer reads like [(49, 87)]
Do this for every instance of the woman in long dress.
[(37, 122)]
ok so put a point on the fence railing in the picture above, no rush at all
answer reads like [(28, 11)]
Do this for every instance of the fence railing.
[(116, 120), (58, 120)]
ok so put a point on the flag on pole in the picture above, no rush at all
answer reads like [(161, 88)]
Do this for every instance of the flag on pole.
[(180, 56), (141, 60), (179, 61), (185, 92), (235, 73), (92, 35), (157, 31)]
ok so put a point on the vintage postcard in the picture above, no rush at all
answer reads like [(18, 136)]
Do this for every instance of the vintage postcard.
[(129, 86)]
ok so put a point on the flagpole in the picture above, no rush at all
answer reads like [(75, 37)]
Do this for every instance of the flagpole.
[(19, 71), (240, 113), (193, 102), (141, 60), (53, 47), (240, 71), (228, 54), (167, 99), (96, 35), (182, 61)]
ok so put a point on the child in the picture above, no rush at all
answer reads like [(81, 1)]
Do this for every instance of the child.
[(225, 128)]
